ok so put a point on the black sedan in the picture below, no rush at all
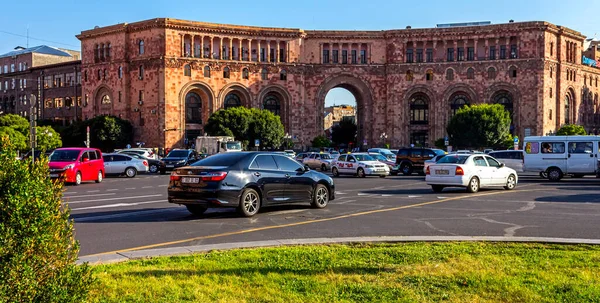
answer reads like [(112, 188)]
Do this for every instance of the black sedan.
[(247, 181)]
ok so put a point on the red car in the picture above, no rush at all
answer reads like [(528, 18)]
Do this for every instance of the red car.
[(77, 164)]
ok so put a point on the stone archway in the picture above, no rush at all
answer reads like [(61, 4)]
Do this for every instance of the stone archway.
[(276, 99), (234, 92), (103, 101), (363, 95), (419, 114), (196, 104)]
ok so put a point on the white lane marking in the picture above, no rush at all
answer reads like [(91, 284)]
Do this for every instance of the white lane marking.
[(414, 196), (93, 191), (110, 199), (130, 214), (344, 202), (386, 195), (117, 205), (147, 186), (70, 193), (339, 193), (163, 185), (285, 212), (112, 189), (130, 188), (442, 197), (87, 196), (530, 205), (363, 194)]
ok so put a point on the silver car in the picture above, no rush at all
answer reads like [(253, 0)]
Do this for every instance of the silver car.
[(121, 164), (318, 161)]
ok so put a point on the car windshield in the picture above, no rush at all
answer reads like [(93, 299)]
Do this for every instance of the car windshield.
[(178, 154), (386, 152), (453, 159), (364, 158), (326, 156), (137, 156), (64, 156), (439, 152), (224, 159), (379, 157), (234, 145)]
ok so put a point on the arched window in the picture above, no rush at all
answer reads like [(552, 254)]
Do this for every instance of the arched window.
[(232, 100), (108, 51), (226, 72), (568, 100), (272, 104), (99, 74), (457, 102), (105, 99), (207, 71), (449, 74), (503, 97), (141, 72), (102, 52), (283, 75), (512, 72), (491, 73), (596, 82), (193, 108), (429, 75), (141, 47), (264, 74), (470, 73), (245, 73), (419, 109), (409, 75), (591, 80), (104, 74), (187, 70), (585, 80), (96, 53), (120, 72)]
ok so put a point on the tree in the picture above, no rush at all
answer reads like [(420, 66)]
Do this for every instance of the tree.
[(47, 138), (480, 126), (233, 121), (17, 122), (320, 141), (344, 132), (109, 132), (266, 127), (38, 250), (571, 130), (16, 138)]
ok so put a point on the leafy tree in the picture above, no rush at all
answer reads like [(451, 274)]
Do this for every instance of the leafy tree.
[(16, 138), (440, 143), (233, 121), (266, 127), (287, 143), (106, 133), (344, 132), (478, 126), (571, 130), (47, 138), (320, 141), (17, 122), (38, 250)]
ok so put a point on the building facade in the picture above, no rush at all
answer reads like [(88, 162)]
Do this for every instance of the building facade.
[(167, 76), (334, 114)]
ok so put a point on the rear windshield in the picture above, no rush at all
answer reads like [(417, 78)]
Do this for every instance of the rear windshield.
[(224, 159), (453, 159), (178, 154), (64, 155)]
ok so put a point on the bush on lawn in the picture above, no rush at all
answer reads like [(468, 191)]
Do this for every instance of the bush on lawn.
[(37, 246)]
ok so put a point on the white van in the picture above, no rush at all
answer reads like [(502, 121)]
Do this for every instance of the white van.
[(556, 156)]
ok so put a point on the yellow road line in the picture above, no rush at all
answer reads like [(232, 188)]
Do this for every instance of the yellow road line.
[(245, 231)]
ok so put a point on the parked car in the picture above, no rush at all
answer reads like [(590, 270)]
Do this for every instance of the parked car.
[(76, 165), (511, 158), (247, 181), (154, 166), (358, 164), (320, 161), (146, 152), (290, 153), (385, 152), (391, 164), (179, 157), (36, 154), (431, 161), (299, 157), (123, 165), (472, 171), (413, 159)]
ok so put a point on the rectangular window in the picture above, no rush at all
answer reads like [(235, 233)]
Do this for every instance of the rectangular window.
[(325, 56), (409, 55), (20, 66), (363, 57), (461, 54), (273, 56), (502, 51), (335, 56), (553, 148), (532, 147), (48, 103), (420, 55), (12, 67), (344, 57), (120, 96), (513, 51), (492, 53), (263, 55), (12, 85), (58, 102), (141, 95), (429, 55), (281, 55), (450, 55), (581, 147), (5, 69), (21, 83), (354, 57), (470, 54)]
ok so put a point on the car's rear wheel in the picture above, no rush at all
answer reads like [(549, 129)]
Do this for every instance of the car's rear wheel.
[(130, 172), (77, 178), (323, 167), (153, 168), (196, 209), (511, 182), (554, 174), (473, 185), (360, 173), (437, 188), (382, 176), (249, 203), (406, 169), (320, 196), (335, 172), (100, 177)]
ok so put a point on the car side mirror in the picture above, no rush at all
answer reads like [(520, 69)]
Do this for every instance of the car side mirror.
[(502, 165), (85, 160), (303, 169)]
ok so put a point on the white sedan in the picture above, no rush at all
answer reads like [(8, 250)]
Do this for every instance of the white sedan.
[(359, 164), (470, 171)]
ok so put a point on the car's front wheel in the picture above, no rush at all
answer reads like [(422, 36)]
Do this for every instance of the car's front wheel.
[(361, 173), (320, 196), (130, 172), (511, 182), (323, 167), (100, 177), (196, 209), (473, 186), (78, 178), (154, 168), (249, 203), (335, 172), (554, 174)]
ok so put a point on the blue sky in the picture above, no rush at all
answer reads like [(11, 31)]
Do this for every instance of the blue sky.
[(58, 22)]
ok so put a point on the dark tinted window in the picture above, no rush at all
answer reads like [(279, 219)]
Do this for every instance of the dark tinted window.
[(121, 158), (225, 159), (92, 155), (178, 154), (479, 161), (454, 159), (107, 158), (342, 158), (286, 164), (97, 154), (64, 155), (402, 153), (498, 155), (492, 162), (265, 162), (415, 153)]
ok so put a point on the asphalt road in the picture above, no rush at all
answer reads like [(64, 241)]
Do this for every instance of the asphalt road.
[(123, 214)]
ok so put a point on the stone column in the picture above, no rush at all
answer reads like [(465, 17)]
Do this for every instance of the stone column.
[(182, 45), (230, 49), (249, 49), (192, 46), (476, 50), (240, 50), (434, 51), (258, 51), (487, 48), (321, 53), (445, 50), (212, 47), (507, 42), (497, 54), (455, 50), (277, 51), (268, 51), (201, 55)]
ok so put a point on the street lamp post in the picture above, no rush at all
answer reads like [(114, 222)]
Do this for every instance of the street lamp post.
[(383, 138)]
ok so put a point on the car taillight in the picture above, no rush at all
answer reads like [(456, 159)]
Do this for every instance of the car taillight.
[(459, 171), (145, 163), (174, 176), (427, 170), (215, 176)]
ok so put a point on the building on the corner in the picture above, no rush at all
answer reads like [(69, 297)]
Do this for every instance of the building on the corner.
[(335, 114), (50, 74), (167, 76)]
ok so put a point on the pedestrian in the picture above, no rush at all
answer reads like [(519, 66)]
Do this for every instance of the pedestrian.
[(128, 146)]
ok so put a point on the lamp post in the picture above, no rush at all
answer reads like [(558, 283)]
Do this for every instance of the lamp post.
[(383, 138), (287, 138)]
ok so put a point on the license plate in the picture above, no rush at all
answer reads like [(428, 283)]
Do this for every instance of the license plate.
[(441, 172), (53, 175), (190, 180), (170, 165)]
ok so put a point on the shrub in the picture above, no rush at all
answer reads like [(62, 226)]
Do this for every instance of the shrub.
[(38, 249)]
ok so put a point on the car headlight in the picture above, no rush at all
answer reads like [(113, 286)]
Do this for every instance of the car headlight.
[(70, 166), (181, 161)]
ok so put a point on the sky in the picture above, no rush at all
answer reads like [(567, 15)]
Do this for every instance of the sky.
[(56, 23)]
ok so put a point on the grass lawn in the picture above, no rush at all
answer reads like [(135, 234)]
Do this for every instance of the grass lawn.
[(410, 272)]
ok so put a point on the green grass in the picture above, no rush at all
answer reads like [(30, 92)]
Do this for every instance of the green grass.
[(412, 272)]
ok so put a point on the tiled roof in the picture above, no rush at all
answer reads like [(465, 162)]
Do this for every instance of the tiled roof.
[(40, 49)]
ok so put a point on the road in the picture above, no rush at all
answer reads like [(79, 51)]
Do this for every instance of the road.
[(125, 214)]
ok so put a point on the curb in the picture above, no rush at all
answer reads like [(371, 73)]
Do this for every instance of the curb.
[(187, 250)]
